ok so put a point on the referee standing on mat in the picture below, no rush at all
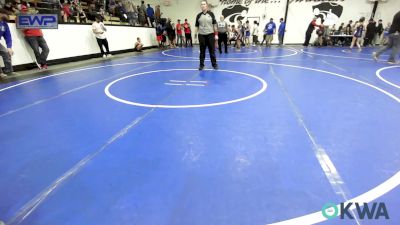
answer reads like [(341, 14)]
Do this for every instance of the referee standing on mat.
[(207, 33)]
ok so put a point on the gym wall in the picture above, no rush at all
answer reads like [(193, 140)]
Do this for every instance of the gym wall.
[(71, 40), (300, 12)]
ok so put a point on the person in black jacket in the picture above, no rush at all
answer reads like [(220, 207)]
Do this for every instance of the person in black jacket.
[(170, 28), (379, 32), (207, 33), (310, 30), (370, 33), (393, 41)]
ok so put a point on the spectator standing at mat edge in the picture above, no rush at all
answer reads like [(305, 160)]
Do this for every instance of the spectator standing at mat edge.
[(222, 34), (270, 30), (378, 33), (255, 33), (179, 33), (188, 33), (281, 31), (35, 39), (370, 33), (310, 30), (393, 41), (5, 53), (99, 31)]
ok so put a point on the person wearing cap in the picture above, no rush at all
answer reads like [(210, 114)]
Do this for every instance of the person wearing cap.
[(207, 33), (5, 53), (99, 31), (35, 39)]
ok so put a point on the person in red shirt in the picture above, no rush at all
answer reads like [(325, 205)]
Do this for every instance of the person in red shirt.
[(179, 33), (66, 10), (188, 33), (35, 39)]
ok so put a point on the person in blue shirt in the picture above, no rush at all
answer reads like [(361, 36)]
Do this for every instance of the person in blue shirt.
[(269, 31), (281, 31), (5, 53), (150, 14)]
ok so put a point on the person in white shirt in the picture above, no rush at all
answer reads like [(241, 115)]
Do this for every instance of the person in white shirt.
[(99, 31), (255, 33)]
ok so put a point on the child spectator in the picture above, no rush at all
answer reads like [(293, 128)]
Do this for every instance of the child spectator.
[(66, 11), (179, 33), (188, 33), (138, 45), (255, 33), (247, 33), (82, 15)]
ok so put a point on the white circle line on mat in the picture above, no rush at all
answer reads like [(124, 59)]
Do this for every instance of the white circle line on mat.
[(294, 52), (378, 74), (253, 95)]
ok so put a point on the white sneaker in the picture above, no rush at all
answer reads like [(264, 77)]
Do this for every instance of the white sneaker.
[(375, 56), (109, 56), (104, 56), (2, 75)]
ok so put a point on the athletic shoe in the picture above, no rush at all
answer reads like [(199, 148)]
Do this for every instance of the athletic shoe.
[(375, 56), (2, 75), (201, 67), (215, 67), (104, 56), (44, 66), (392, 62), (109, 56), (13, 74)]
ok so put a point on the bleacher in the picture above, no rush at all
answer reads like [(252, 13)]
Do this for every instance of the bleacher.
[(46, 7)]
